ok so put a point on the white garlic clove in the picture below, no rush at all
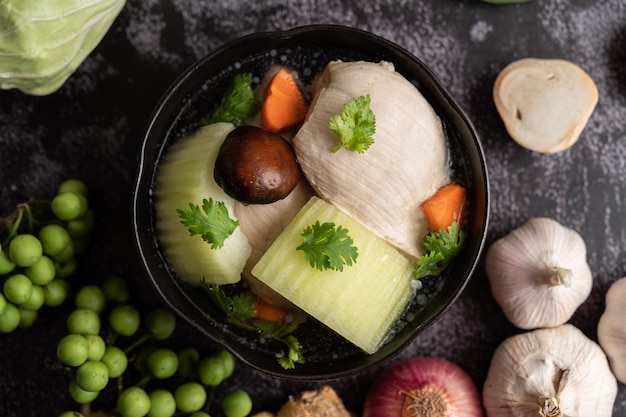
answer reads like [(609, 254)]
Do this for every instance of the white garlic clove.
[(551, 372), (539, 274), (612, 328)]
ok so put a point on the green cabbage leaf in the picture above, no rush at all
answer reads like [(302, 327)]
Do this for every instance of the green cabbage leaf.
[(43, 42)]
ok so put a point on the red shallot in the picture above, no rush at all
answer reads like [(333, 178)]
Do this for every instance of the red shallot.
[(423, 387)]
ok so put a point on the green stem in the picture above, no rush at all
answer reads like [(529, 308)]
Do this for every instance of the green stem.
[(209, 401), (111, 337), (14, 225), (29, 217), (85, 409), (143, 339), (143, 381), (119, 384)]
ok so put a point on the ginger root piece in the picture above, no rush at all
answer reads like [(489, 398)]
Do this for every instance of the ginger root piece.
[(544, 103), (322, 402)]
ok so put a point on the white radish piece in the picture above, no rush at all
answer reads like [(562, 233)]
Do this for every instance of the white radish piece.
[(186, 176)]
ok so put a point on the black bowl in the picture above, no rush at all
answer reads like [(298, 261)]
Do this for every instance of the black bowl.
[(306, 49)]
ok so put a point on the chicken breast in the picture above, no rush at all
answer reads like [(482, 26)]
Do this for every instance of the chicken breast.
[(384, 187)]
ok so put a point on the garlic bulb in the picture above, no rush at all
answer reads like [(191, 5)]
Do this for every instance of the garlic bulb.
[(612, 328), (555, 372), (539, 273)]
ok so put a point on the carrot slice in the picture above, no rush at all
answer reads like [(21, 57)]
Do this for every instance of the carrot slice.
[(445, 206), (269, 312), (284, 106)]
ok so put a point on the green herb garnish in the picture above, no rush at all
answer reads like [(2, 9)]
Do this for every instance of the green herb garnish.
[(294, 355), (327, 247), (238, 104), (442, 246), (240, 310), (355, 126), (211, 221), (239, 307)]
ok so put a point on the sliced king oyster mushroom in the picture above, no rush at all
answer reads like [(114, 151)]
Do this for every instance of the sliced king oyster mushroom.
[(384, 187), (544, 103)]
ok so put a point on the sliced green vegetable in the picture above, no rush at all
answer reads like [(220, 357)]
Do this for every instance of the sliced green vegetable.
[(360, 303)]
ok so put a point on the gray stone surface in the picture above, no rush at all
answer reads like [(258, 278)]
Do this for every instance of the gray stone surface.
[(91, 129)]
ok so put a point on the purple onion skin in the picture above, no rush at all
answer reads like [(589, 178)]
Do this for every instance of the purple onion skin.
[(428, 378)]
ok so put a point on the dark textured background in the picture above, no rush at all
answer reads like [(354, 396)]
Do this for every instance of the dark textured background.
[(91, 129)]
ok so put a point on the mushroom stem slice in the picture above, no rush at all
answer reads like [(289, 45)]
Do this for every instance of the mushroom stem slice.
[(544, 103)]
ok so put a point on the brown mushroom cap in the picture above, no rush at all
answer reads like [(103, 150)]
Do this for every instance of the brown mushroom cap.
[(255, 166)]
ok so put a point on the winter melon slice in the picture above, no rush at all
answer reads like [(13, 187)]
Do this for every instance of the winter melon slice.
[(360, 303), (186, 176)]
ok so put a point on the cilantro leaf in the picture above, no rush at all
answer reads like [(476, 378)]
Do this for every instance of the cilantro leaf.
[(294, 354), (238, 104), (327, 247), (355, 126), (212, 222), (442, 246), (239, 307)]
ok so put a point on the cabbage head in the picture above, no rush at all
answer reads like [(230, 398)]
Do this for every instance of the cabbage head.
[(42, 42)]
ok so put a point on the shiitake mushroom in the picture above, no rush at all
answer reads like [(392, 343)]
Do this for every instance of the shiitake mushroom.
[(255, 166)]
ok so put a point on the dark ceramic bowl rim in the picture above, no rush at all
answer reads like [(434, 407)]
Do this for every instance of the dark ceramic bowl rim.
[(158, 129)]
